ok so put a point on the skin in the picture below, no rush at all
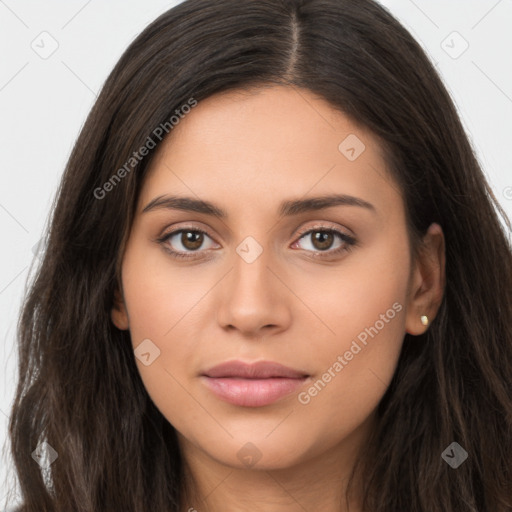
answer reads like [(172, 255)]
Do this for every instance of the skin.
[(246, 152)]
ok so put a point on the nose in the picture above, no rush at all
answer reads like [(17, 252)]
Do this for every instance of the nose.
[(253, 299)]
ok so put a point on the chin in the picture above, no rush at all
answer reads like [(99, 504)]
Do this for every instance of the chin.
[(258, 453)]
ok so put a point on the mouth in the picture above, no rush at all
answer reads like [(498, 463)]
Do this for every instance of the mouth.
[(252, 385)]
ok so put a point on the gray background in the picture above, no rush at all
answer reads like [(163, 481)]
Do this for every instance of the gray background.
[(44, 100)]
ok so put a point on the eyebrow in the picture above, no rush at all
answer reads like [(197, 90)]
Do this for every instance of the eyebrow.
[(286, 209)]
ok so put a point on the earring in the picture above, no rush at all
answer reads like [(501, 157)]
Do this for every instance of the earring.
[(424, 319)]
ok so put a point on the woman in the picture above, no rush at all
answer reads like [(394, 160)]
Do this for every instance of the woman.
[(275, 279)]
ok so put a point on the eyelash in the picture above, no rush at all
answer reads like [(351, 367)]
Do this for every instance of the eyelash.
[(349, 241)]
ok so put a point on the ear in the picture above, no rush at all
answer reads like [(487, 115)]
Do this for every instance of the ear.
[(119, 313), (427, 282)]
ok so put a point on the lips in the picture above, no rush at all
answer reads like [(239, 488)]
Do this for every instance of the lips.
[(252, 385), (258, 370)]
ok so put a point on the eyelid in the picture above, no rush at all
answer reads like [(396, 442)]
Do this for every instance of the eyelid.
[(183, 226), (322, 226)]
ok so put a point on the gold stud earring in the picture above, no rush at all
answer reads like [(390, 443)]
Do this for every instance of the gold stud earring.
[(424, 319)]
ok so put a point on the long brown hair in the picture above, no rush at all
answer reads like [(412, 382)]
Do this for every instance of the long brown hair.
[(78, 386)]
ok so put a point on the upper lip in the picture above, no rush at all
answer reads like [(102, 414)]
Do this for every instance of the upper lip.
[(257, 370)]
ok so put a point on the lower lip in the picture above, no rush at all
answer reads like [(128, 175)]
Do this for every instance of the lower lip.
[(252, 392)]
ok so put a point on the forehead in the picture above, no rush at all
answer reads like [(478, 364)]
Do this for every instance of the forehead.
[(266, 144)]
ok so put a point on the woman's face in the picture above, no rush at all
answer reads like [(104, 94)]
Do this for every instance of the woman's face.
[(308, 266)]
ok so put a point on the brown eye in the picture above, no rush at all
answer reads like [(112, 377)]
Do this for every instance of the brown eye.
[(322, 240), (329, 241), (185, 242), (192, 240)]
